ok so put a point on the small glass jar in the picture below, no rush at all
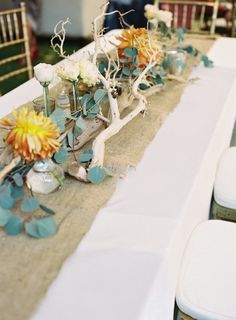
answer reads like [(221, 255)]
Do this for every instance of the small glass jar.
[(45, 176), (62, 95), (39, 105), (177, 58)]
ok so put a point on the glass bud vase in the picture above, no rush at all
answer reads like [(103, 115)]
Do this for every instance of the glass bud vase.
[(45, 176)]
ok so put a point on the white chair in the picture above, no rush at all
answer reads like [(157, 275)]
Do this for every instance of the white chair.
[(207, 282), (224, 202)]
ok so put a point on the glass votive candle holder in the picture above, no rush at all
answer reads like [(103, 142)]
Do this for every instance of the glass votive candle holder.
[(39, 105)]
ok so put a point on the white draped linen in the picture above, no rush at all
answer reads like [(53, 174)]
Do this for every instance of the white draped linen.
[(127, 265)]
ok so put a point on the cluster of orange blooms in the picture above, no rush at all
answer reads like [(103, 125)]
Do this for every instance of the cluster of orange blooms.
[(139, 38)]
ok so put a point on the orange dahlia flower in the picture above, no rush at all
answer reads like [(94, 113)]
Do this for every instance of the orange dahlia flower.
[(32, 136), (139, 38)]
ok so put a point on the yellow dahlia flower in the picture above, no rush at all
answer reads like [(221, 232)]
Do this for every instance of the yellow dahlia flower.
[(139, 38), (32, 136)]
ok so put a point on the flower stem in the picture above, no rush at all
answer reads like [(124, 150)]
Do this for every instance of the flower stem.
[(47, 106), (75, 96)]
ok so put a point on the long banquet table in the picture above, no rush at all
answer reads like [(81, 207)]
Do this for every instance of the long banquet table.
[(126, 267)]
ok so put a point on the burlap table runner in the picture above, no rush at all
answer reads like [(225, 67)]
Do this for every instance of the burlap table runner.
[(28, 266)]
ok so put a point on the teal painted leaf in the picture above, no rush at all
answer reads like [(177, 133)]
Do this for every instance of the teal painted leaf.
[(59, 118), (180, 34), (108, 172), (18, 179), (47, 210), (86, 98), (61, 156), (158, 79), (77, 132), (131, 52), (207, 62), (31, 228), (5, 189), (99, 95), (166, 63), (17, 192), (102, 67), (80, 123), (14, 225), (143, 86), (136, 72), (126, 71), (6, 201), (46, 227), (85, 157), (5, 215), (96, 175), (70, 139), (90, 104), (90, 151), (29, 205), (91, 115)]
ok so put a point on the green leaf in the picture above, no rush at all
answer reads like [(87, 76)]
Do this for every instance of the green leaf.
[(47, 210), (207, 62), (17, 192), (5, 215), (61, 155), (6, 201), (29, 205), (46, 227), (131, 52), (18, 179), (96, 175), (14, 225), (99, 95), (59, 118), (31, 228), (143, 86), (80, 123)]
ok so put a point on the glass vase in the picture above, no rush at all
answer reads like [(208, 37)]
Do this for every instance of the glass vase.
[(45, 176)]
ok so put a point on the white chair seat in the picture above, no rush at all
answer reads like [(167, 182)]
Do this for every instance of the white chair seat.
[(225, 182), (207, 282)]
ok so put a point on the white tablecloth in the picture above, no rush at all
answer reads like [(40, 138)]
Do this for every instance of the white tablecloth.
[(127, 265)]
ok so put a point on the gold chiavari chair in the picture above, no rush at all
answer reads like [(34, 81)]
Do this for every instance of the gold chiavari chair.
[(190, 14), (14, 31)]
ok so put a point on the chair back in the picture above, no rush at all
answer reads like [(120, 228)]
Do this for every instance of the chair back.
[(191, 14), (14, 31)]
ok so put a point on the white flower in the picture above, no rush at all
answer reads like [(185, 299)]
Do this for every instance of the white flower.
[(150, 11), (68, 70), (88, 72), (165, 16), (44, 72)]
